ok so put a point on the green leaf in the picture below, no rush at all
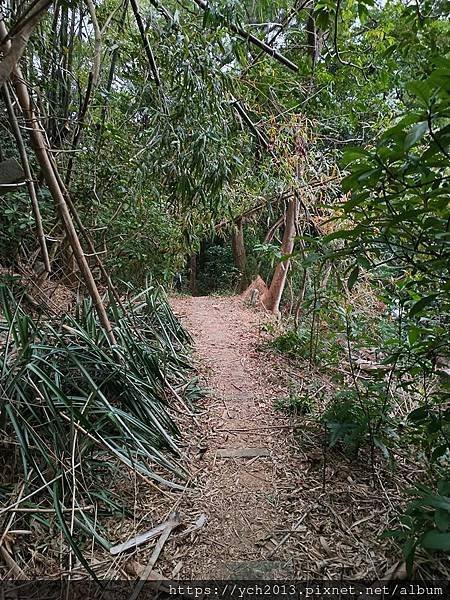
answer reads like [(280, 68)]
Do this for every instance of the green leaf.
[(435, 540), (421, 304), (419, 414), (437, 453), (363, 13), (368, 174), (442, 520), (57, 494), (422, 90), (438, 502), (352, 154), (392, 533), (340, 235), (396, 132), (363, 261), (382, 446), (444, 487), (322, 18), (311, 259), (415, 134), (409, 550), (353, 277), (414, 334)]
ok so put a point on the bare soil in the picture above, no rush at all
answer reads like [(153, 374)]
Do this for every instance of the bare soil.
[(240, 496)]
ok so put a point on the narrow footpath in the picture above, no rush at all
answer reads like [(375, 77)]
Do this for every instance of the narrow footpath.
[(277, 506), (241, 458)]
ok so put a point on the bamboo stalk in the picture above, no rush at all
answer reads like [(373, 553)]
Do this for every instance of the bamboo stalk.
[(98, 42), (87, 237), (49, 171), (147, 48), (29, 179), (78, 132)]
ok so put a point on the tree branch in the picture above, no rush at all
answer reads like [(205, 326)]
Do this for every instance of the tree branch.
[(256, 41), (147, 48), (336, 47)]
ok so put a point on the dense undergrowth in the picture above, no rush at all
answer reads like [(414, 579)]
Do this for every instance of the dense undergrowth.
[(76, 409), (374, 407), (390, 367)]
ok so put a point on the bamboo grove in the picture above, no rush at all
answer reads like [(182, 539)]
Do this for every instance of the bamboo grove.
[(303, 144)]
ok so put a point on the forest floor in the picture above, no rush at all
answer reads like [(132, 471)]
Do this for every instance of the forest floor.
[(284, 510), (265, 497)]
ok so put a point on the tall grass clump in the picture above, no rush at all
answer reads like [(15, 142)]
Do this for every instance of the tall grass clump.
[(74, 408)]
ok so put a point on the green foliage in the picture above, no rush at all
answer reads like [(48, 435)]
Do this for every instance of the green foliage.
[(223, 12), (314, 341), (400, 211), (425, 523), (295, 404), (399, 215), (400, 187), (217, 270), (356, 418), (156, 166), (430, 425), (15, 221), (295, 343)]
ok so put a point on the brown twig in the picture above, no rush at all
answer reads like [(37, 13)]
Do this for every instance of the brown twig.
[(172, 523), (11, 563)]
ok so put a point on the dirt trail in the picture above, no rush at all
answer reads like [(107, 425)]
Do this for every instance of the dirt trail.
[(297, 512), (240, 496)]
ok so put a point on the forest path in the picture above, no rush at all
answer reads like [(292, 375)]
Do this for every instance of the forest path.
[(243, 498)]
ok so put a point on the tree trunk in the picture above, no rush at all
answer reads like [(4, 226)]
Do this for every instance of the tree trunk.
[(314, 38), (193, 274), (271, 299), (239, 254), (14, 48)]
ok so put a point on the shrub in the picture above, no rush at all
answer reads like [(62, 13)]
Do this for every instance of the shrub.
[(355, 418), (295, 404)]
